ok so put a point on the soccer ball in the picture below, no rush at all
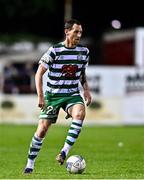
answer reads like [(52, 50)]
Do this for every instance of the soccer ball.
[(75, 164)]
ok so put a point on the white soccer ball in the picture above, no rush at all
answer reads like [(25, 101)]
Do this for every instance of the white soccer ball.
[(75, 164)]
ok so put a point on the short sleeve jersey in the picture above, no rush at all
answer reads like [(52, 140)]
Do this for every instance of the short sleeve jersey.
[(64, 68)]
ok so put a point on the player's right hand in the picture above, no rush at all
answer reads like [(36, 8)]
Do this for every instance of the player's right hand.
[(41, 102)]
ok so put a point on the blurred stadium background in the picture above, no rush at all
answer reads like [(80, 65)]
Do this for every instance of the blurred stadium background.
[(111, 141), (116, 68)]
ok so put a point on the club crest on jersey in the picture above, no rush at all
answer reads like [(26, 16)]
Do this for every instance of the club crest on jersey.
[(79, 57)]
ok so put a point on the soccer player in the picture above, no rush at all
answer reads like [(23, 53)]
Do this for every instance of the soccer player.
[(65, 63)]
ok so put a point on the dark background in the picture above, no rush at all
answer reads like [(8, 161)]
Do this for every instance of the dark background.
[(44, 19)]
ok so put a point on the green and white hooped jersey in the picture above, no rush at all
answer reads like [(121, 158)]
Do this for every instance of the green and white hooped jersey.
[(64, 68)]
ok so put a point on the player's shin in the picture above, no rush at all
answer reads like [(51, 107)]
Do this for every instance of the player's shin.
[(73, 133), (34, 149)]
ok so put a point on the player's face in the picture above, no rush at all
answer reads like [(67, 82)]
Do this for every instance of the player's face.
[(74, 35)]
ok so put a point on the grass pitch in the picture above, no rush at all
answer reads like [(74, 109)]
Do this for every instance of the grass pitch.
[(110, 152)]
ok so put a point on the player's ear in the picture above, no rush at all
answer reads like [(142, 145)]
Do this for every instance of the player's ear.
[(66, 31)]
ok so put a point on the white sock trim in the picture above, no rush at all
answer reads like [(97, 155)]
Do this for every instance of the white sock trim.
[(66, 148), (30, 163)]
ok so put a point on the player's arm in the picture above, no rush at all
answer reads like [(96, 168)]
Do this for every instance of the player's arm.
[(39, 85), (85, 86)]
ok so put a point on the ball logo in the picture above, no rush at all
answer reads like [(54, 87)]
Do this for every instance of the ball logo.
[(76, 164)]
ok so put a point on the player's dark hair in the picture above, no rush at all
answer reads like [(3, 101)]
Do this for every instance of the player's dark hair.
[(69, 23)]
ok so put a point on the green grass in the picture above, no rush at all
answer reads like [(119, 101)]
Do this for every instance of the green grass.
[(98, 145)]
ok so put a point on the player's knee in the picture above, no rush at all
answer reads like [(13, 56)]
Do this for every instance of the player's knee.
[(41, 132), (79, 115)]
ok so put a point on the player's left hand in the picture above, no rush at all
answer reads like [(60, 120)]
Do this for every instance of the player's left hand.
[(87, 97)]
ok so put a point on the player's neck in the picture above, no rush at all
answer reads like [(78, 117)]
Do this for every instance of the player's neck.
[(69, 44)]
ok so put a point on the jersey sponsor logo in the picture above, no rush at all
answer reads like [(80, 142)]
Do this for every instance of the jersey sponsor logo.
[(69, 70)]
